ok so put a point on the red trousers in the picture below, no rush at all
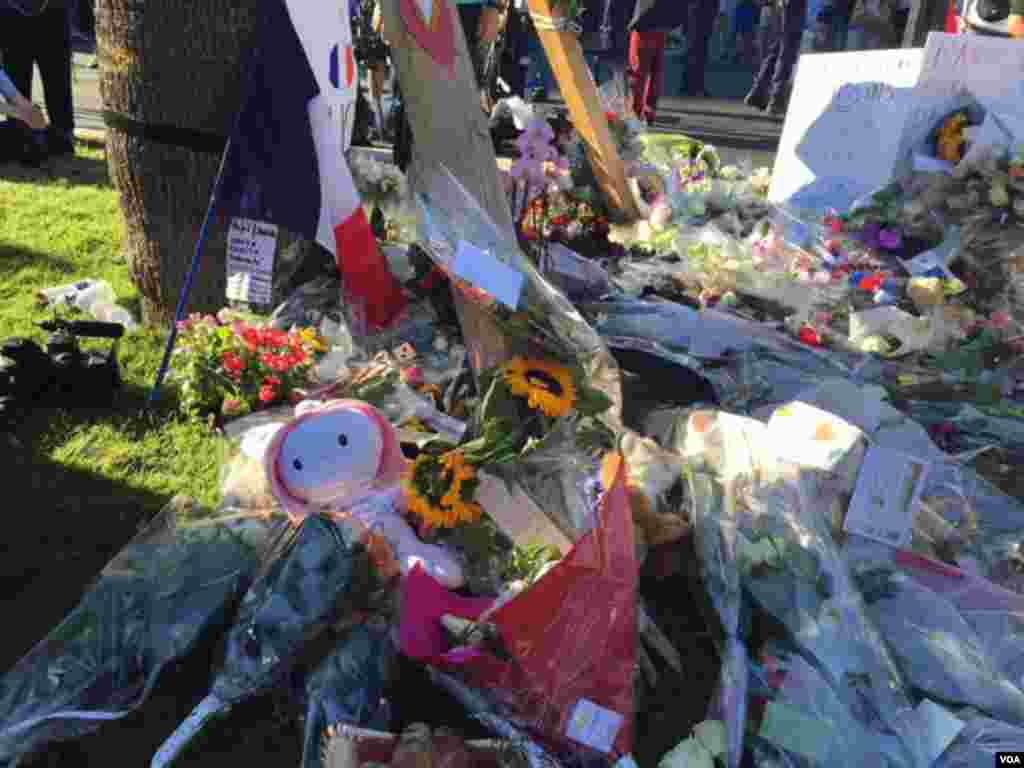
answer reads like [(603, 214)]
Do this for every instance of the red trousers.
[(646, 55)]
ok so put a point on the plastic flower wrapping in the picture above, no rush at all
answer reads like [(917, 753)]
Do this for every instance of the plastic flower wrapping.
[(147, 609), (825, 661)]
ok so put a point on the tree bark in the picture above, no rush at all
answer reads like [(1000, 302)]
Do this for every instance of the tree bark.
[(171, 63)]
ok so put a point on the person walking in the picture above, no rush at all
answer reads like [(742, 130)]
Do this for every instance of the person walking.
[(43, 39), (648, 34), (479, 19), (700, 21), (769, 91)]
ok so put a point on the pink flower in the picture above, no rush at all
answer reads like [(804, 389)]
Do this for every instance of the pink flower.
[(413, 376), (232, 406), (822, 319), (999, 321)]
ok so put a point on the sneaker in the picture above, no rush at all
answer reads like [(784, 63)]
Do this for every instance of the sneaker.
[(755, 100), (777, 108)]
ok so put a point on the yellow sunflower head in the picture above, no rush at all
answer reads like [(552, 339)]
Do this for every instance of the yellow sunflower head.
[(439, 490), (547, 387)]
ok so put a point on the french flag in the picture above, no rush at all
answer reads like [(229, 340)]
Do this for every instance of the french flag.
[(286, 164)]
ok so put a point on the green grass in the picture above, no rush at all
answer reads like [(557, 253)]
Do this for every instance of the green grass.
[(59, 224)]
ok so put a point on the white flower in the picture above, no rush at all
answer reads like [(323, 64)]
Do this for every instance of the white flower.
[(700, 750)]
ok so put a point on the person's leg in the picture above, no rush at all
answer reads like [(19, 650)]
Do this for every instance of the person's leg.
[(469, 16), (760, 90), (16, 47), (54, 59), (654, 69), (636, 73), (793, 19), (698, 30)]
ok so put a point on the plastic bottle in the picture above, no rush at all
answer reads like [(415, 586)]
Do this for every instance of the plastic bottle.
[(81, 295)]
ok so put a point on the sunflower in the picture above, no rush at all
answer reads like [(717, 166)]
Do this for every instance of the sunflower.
[(548, 387), (951, 138), (439, 490)]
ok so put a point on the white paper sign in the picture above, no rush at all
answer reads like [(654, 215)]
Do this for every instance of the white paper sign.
[(594, 726), (250, 262), (990, 68), (883, 503), (841, 138), (483, 271)]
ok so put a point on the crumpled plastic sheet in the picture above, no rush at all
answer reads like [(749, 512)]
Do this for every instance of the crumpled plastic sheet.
[(347, 688), (147, 608), (978, 743), (958, 636)]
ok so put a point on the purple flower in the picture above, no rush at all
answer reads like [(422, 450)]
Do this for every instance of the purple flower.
[(890, 239), (870, 235)]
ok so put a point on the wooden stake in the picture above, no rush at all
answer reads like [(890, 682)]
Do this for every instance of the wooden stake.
[(576, 83), (448, 125), (449, 128)]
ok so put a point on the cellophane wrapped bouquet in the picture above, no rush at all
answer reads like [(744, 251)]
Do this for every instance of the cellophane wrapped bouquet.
[(534, 467), (822, 685), (174, 581)]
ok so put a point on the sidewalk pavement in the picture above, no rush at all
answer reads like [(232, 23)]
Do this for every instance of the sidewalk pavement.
[(724, 120)]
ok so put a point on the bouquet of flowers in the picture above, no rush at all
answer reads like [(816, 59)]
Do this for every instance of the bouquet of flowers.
[(767, 546), (546, 384), (383, 187), (227, 366)]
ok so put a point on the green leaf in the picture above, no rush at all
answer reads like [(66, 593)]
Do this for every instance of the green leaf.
[(592, 402)]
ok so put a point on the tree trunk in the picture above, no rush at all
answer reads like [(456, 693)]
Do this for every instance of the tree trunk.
[(171, 63)]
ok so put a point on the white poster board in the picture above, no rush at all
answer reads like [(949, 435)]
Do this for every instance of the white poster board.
[(990, 68), (964, 70), (842, 137)]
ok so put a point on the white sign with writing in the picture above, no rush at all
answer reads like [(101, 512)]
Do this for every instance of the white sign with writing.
[(250, 262), (991, 69), (885, 499), (841, 138)]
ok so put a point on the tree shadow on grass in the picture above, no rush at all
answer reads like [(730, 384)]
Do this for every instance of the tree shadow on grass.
[(13, 258), (76, 169)]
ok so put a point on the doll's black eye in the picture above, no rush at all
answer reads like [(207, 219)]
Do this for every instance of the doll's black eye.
[(297, 464), (342, 440)]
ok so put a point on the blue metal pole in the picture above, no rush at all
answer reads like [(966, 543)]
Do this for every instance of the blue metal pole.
[(189, 278)]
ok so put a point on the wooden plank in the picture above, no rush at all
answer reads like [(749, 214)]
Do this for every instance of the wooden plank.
[(577, 86), (449, 128), (448, 124)]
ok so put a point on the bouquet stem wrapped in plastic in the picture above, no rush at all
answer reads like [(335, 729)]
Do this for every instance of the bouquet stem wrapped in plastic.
[(322, 576), (147, 609)]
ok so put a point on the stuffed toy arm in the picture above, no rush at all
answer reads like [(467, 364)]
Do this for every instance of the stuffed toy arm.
[(382, 513)]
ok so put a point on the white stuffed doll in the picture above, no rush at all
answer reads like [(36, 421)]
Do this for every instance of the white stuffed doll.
[(344, 457)]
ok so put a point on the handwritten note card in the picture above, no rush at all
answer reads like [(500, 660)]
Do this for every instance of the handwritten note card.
[(250, 262), (841, 138), (883, 504)]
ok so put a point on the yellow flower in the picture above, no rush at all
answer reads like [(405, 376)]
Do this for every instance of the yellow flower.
[(548, 387), (439, 490)]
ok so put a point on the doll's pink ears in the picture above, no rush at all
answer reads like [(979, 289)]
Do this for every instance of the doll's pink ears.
[(392, 462)]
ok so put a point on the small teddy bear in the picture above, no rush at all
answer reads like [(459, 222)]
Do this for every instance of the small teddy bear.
[(344, 458)]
